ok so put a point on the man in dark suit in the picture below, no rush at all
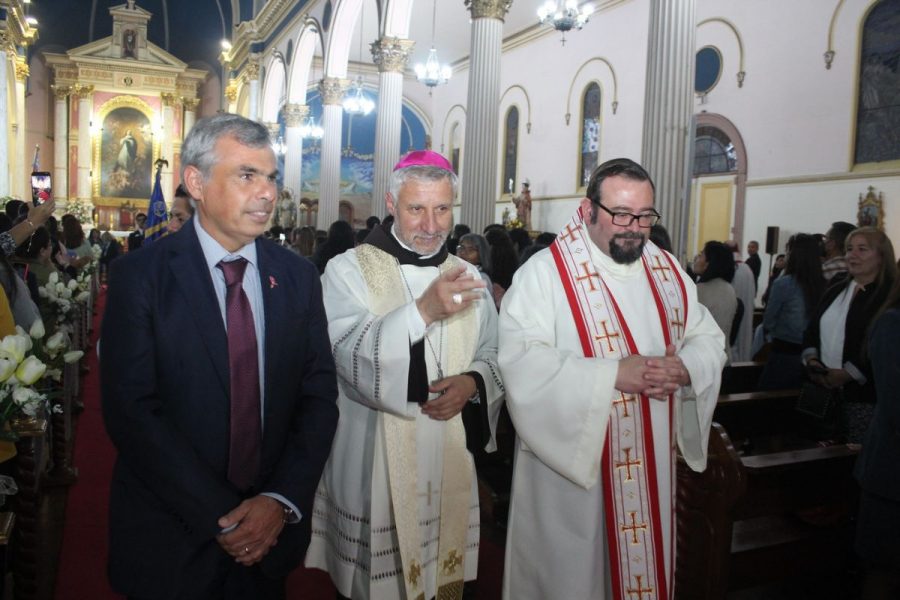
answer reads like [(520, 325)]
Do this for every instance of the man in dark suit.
[(136, 237), (218, 388), (754, 262)]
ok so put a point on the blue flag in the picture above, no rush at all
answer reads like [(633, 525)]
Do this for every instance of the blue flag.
[(157, 215)]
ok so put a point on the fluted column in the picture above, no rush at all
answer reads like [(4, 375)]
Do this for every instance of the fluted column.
[(61, 145), (190, 114), (391, 55), (667, 111), (479, 177), (83, 93), (170, 103), (21, 187), (332, 91), (252, 74), (6, 50), (294, 115)]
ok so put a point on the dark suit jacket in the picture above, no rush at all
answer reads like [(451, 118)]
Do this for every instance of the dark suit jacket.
[(876, 468), (165, 386), (753, 261), (135, 240)]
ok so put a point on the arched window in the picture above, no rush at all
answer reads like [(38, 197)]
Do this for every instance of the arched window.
[(454, 147), (878, 112), (510, 150), (590, 133), (713, 152)]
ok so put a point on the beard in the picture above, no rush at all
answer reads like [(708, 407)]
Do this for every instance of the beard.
[(625, 255)]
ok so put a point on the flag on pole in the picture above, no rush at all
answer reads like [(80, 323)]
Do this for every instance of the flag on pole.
[(157, 214)]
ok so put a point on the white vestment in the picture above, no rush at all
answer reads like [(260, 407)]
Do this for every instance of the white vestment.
[(746, 293), (560, 404), (354, 535)]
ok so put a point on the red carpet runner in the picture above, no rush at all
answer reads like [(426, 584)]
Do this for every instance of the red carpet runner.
[(82, 567)]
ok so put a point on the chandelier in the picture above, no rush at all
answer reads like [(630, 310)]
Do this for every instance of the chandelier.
[(310, 130), (564, 15), (432, 73), (355, 102)]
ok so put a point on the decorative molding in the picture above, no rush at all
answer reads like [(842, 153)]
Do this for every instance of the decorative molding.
[(332, 89), (829, 51), (391, 54), (488, 9), (7, 42), (61, 92), (82, 92), (251, 71), (741, 74), (274, 128), (615, 100), (22, 70), (170, 99), (295, 114), (446, 119), (803, 179), (527, 103), (190, 104), (231, 90)]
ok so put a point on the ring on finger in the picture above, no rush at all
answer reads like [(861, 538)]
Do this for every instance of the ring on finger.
[(457, 298), (246, 550)]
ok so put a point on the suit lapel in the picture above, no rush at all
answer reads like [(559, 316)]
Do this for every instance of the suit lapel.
[(189, 268), (275, 307)]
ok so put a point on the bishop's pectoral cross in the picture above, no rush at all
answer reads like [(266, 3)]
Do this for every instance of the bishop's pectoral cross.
[(429, 494)]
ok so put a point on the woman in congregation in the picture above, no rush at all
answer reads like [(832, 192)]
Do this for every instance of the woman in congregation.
[(794, 296), (714, 268), (474, 249), (833, 343)]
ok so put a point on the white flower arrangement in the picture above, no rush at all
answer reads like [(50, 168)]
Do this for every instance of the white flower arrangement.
[(19, 371), (61, 298)]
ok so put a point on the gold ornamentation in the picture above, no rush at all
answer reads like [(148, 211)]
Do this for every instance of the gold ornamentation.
[(871, 209), (251, 71), (82, 92), (488, 9), (190, 104), (450, 591), (231, 90), (169, 99), (391, 54), (294, 114), (61, 91), (332, 89), (22, 70), (452, 562), (415, 572)]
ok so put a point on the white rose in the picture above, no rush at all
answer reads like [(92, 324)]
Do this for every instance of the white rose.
[(54, 277), (56, 342), (7, 368), (30, 370), (72, 284), (23, 395), (83, 297), (42, 292), (37, 329), (74, 355), (66, 293), (59, 287)]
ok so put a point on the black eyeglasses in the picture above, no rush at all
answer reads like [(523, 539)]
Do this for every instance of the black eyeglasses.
[(624, 219)]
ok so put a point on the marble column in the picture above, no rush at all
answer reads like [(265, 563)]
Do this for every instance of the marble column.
[(21, 183), (6, 49), (332, 90), (668, 107), (61, 145), (251, 72), (84, 95), (190, 114), (479, 177), (170, 104), (294, 115), (391, 55)]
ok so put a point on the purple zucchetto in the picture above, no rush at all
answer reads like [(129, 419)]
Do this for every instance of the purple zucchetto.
[(424, 158)]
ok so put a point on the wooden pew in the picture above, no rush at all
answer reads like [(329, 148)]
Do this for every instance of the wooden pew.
[(741, 377), (32, 454), (747, 521), (760, 422)]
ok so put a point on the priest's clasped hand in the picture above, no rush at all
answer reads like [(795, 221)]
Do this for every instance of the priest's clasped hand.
[(259, 521), (452, 292), (655, 376), (454, 392)]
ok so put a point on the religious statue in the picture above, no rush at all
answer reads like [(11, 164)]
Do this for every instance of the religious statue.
[(129, 42), (523, 205), (505, 217), (286, 215)]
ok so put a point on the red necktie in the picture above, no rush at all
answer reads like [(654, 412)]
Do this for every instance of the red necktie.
[(243, 365)]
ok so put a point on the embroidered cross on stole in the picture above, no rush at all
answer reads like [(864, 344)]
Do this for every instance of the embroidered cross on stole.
[(630, 486), (381, 272)]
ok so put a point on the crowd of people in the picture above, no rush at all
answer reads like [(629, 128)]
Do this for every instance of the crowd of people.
[(349, 441)]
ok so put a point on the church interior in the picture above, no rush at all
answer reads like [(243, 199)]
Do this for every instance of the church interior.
[(757, 121)]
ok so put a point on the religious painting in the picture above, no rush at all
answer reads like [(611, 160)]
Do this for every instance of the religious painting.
[(511, 150), (126, 154), (871, 210), (129, 43), (590, 134)]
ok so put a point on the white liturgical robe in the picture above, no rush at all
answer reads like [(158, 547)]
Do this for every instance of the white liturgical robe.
[(354, 534), (560, 402)]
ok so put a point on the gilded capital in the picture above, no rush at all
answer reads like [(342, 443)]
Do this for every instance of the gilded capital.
[(170, 99), (332, 89), (231, 90), (82, 92), (274, 129), (7, 43), (22, 70), (391, 54), (295, 114), (251, 71), (61, 91), (488, 9), (190, 104)]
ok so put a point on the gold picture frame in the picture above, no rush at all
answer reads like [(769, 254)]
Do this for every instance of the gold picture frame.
[(871, 210), (116, 180)]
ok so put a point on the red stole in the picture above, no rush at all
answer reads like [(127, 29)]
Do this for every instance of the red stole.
[(630, 487)]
